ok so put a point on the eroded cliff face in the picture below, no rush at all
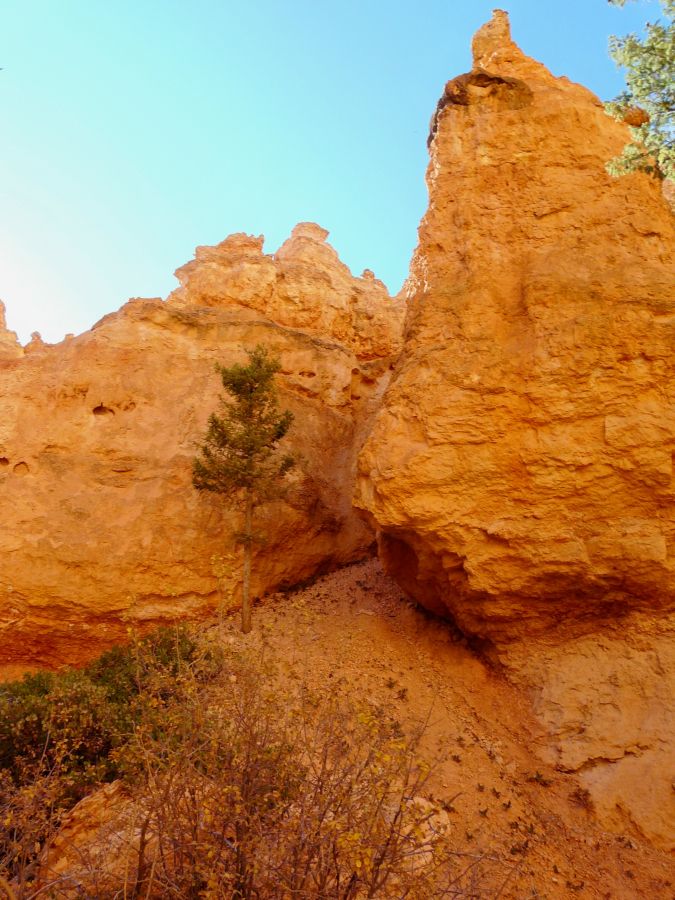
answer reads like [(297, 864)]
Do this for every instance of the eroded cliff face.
[(10, 348), (304, 286), (101, 527), (523, 454), (520, 471)]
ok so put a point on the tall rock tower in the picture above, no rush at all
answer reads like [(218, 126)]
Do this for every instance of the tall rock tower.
[(521, 468)]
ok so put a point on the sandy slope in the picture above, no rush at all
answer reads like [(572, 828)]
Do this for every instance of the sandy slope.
[(522, 829), (355, 626)]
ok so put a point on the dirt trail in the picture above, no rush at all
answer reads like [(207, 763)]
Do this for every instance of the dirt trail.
[(355, 627)]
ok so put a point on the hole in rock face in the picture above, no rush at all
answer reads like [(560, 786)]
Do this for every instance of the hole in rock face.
[(3, 462), (400, 561), (308, 374), (102, 410), (21, 468)]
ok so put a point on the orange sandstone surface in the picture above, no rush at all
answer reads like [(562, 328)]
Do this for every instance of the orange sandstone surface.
[(101, 528), (520, 469), (521, 466), (517, 465)]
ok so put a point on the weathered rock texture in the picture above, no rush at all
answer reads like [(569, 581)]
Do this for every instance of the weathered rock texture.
[(94, 844), (521, 468), (9, 344), (522, 465), (606, 702), (101, 528), (304, 286)]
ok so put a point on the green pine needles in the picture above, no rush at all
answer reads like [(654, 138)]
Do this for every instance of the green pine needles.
[(239, 457), (650, 89)]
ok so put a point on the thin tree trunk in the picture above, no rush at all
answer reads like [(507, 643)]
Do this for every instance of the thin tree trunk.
[(246, 594)]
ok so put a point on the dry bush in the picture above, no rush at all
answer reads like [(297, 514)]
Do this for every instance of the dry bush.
[(251, 791), (243, 785), (29, 815)]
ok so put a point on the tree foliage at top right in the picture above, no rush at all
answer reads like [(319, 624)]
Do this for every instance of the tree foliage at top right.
[(648, 103)]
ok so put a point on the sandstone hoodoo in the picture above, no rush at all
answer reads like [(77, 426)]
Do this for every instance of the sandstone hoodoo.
[(520, 470), (101, 527)]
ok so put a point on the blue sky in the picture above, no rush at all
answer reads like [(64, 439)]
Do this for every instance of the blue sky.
[(135, 130)]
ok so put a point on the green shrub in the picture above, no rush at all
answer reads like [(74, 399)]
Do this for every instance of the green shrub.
[(63, 733), (80, 715)]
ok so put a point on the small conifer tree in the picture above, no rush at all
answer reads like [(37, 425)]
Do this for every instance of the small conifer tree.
[(239, 456)]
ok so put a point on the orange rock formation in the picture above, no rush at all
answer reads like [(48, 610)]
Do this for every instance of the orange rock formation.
[(521, 467), (304, 286), (520, 470), (9, 344), (101, 526)]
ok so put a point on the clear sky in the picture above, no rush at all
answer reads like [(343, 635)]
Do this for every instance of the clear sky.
[(134, 130)]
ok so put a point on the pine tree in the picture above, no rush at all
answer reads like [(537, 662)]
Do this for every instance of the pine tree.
[(648, 103), (239, 456)]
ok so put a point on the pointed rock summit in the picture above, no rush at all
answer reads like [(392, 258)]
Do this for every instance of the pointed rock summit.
[(520, 470), (495, 50), (10, 348), (492, 38)]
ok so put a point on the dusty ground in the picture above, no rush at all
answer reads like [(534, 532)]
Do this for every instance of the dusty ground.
[(524, 829), (356, 627)]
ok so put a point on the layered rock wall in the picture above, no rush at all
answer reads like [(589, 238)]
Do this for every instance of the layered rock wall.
[(101, 528)]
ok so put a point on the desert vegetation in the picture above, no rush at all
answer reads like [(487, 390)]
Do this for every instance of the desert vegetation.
[(234, 783), (647, 104), (239, 458)]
